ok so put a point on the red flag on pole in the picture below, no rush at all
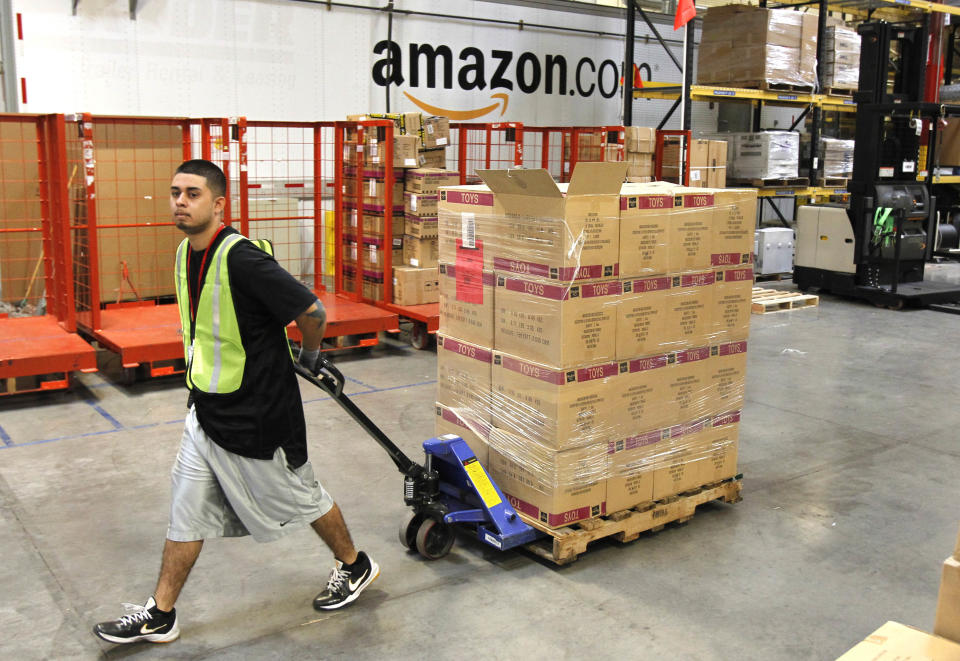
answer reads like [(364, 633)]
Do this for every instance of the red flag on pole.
[(685, 13)]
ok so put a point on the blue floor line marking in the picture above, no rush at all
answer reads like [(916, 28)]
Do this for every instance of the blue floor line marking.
[(118, 427), (99, 409), (359, 382)]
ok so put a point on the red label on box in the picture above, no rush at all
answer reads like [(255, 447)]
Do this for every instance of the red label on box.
[(634, 442), (596, 289), (470, 197), (696, 426), (478, 426), (450, 270), (655, 202), (698, 279), (596, 372), (726, 419), (646, 364), (586, 272), (651, 284), (697, 201), (693, 355), (520, 268), (481, 354), (469, 273), (539, 289), (732, 348), (533, 370), (738, 275), (730, 259)]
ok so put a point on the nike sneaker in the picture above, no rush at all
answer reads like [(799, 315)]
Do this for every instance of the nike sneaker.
[(346, 583), (145, 622)]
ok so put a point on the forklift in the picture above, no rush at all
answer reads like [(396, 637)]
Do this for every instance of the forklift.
[(877, 249)]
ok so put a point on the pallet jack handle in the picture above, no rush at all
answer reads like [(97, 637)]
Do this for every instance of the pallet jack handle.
[(331, 381)]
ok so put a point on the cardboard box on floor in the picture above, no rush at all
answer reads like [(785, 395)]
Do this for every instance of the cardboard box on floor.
[(897, 642), (727, 376), (464, 376), (466, 304), (678, 464), (555, 488), (559, 409), (632, 463), (718, 456), (689, 384), (540, 227), (476, 433), (469, 232), (558, 325), (947, 621), (420, 252), (644, 397)]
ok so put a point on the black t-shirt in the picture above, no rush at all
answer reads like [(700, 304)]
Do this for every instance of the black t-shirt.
[(266, 411)]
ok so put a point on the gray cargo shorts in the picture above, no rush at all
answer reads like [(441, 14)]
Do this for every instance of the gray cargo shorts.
[(216, 493)]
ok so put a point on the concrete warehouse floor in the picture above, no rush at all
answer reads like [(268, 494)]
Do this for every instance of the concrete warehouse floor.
[(850, 456)]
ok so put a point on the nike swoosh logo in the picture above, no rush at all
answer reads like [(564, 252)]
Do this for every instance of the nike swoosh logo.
[(145, 630), (283, 523), (353, 586)]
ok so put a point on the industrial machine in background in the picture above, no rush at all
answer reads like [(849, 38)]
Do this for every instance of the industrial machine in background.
[(773, 248), (877, 249)]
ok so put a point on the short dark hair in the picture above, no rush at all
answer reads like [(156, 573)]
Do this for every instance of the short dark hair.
[(216, 182)]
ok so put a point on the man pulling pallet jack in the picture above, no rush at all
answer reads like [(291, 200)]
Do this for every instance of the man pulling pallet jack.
[(242, 466)]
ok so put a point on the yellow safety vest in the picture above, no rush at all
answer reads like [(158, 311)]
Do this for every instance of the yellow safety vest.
[(216, 357)]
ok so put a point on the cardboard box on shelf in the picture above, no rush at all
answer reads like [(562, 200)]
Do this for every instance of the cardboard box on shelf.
[(640, 139), (643, 317), (404, 151), (732, 298), (420, 252), (416, 204), (432, 158), (559, 409), (698, 159), (372, 253), (475, 432), (540, 228), (415, 286), (898, 642), (427, 181), (374, 220), (643, 397), (466, 304), (469, 232), (436, 132), (717, 164), (644, 225), (734, 221), (690, 233), (632, 463), (555, 488), (689, 317), (558, 325), (406, 123), (421, 227), (464, 376), (639, 164)]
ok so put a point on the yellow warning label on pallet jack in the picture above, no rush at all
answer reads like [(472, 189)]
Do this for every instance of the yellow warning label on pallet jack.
[(482, 483)]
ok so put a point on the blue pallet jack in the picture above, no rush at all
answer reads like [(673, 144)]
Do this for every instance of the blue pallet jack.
[(451, 488)]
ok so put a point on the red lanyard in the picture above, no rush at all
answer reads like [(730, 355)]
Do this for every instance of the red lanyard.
[(195, 304)]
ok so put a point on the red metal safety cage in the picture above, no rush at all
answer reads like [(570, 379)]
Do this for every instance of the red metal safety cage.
[(288, 188), (38, 346), (543, 148), (123, 240), (683, 160), (485, 147), (592, 144)]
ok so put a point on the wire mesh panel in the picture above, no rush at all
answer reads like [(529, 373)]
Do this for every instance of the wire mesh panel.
[(591, 144), (27, 267), (124, 241), (286, 192), (543, 148), (486, 147)]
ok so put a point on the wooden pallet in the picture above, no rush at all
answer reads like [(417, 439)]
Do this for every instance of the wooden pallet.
[(771, 87), (783, 182), (564, 545), (832, 182), (838, 91), (774, 300), (761, 277)]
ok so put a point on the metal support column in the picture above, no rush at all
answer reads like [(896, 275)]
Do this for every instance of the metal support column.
[(8, 56), (817, 120), (628, 65)]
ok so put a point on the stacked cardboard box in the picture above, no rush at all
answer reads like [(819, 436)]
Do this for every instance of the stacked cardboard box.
[(841, 67), (640, 143), (765, 155), (898, 642), (616, 375), (707, 162), (744, 46)]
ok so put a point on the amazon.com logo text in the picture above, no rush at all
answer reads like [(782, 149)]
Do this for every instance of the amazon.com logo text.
[(432, 65)]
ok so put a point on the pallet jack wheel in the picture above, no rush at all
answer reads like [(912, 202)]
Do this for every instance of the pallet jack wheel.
[(419, 336), (408, 530), (434, 539)]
